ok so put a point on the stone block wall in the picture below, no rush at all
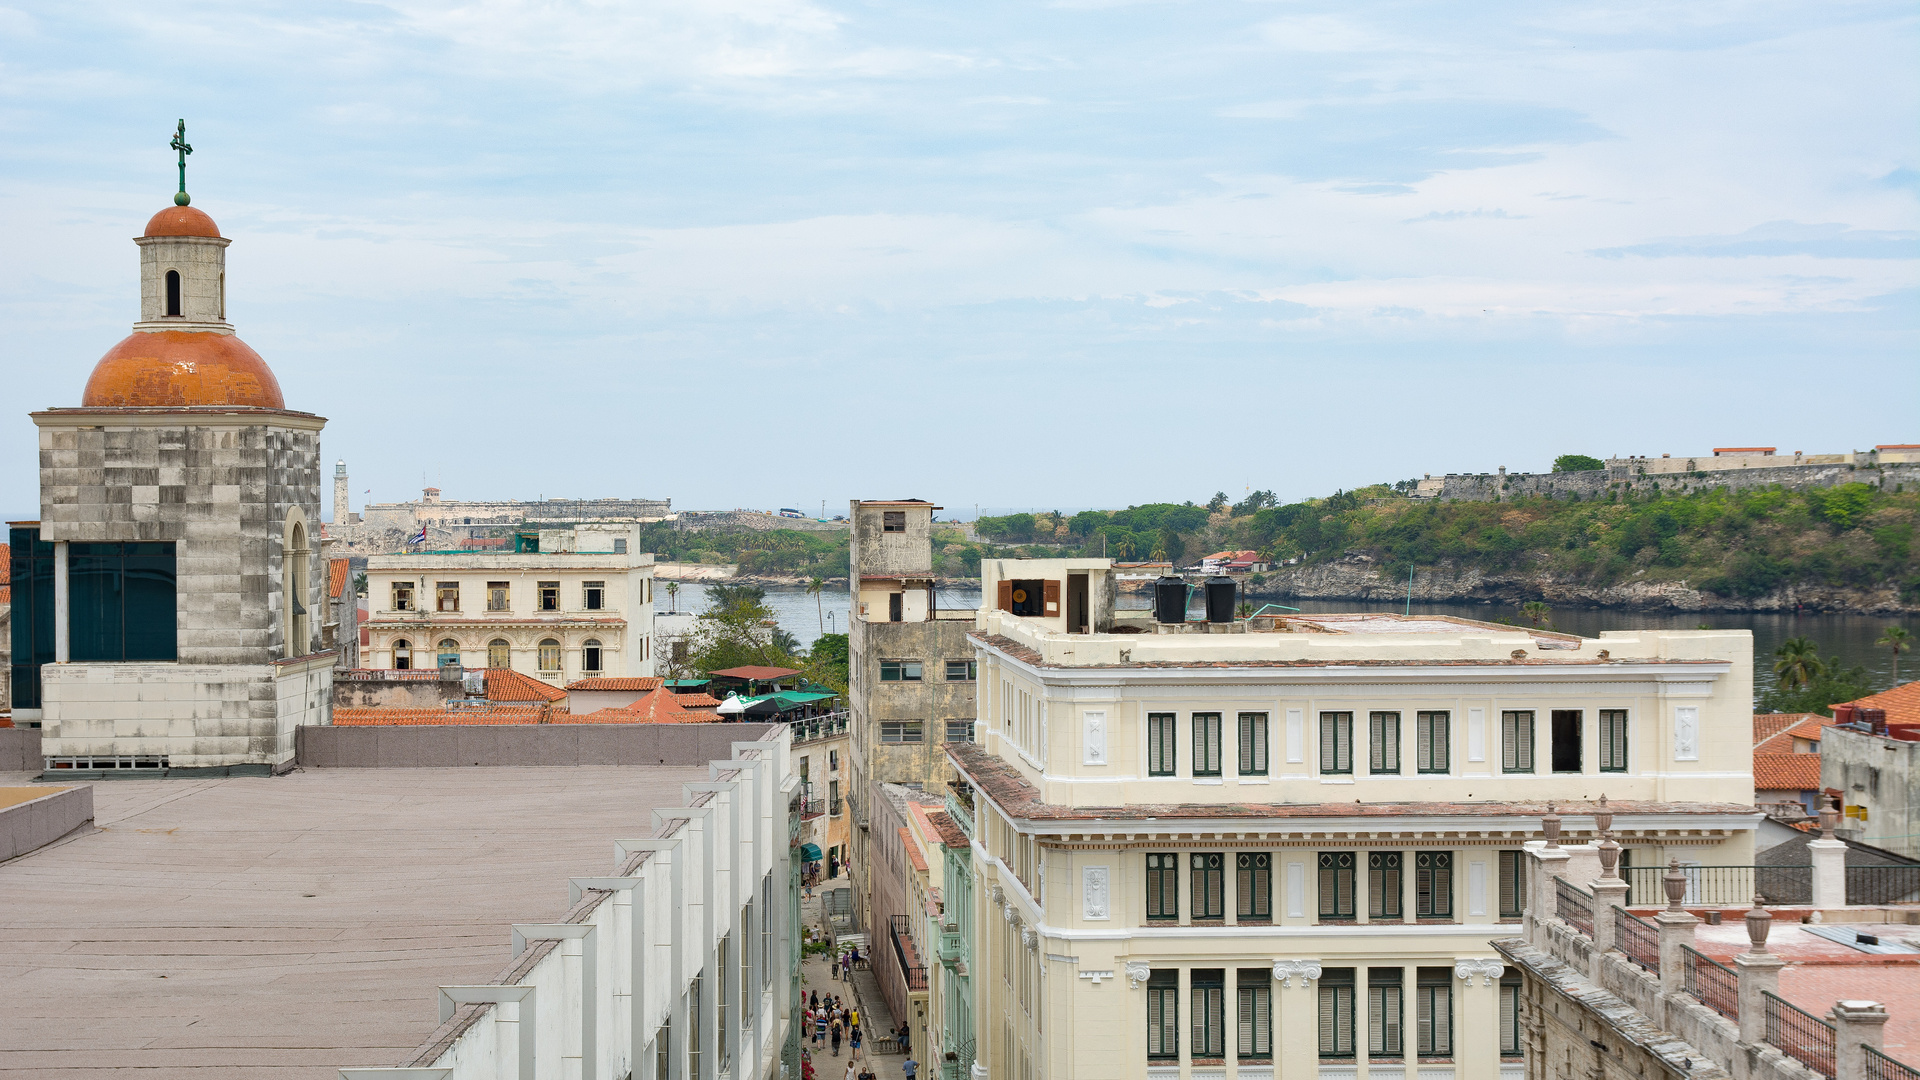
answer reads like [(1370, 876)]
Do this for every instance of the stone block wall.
[(1493, 487)]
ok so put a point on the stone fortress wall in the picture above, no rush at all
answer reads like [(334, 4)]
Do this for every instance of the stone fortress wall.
[(1886, 467)]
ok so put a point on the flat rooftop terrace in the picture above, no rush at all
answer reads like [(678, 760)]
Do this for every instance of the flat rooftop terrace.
[(1820, 971), (285, 927)]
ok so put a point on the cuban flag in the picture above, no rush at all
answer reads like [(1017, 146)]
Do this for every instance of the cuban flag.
[(419, 537)]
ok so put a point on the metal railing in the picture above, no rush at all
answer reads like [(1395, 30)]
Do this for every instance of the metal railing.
[(1882, 1067), (832, 725), (1883, 884), (1638, 938), (915, 974), (1573, 905), (1799, 1034), (1722, 886), (1711, 982), (813, 808)]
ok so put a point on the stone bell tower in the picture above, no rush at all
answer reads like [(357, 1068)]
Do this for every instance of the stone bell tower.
[(175, 584)]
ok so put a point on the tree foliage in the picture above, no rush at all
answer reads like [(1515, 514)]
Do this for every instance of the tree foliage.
[(1577, 463)]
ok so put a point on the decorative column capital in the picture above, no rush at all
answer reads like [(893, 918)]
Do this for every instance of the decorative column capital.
[(1138, 972), (1488, 970), (1287, 970), (1028, 938)]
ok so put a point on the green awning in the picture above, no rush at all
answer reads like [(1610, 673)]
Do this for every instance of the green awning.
[(687, 684), (795, 697), (810, 852)]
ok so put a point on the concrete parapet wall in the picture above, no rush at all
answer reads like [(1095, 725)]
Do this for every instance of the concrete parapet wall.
[(1493, 487), (441, 746), (20, 750), (35, 823)]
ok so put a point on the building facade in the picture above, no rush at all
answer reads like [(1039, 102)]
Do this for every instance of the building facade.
[(170, 598), (568, 603), (1281, 847), (911, 668)]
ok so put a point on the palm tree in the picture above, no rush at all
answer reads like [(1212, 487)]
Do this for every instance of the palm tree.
[(1797, 663), (816, 585), (1897, 639), (1535, 611), (673, 590)]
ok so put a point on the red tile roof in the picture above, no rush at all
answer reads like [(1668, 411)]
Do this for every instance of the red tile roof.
[(1768, 724), (337, 577), (506, 684), (1786, 772), (918, 860), (950, 833), (698, 701), (755, 673), (1808, 726), (655, 707), (6, 575), (1902, 703), (605, 683)]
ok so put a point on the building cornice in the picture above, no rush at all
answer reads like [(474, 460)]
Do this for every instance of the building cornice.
[(205, 416)]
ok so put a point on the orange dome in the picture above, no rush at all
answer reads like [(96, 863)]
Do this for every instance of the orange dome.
[(182, 221), (177, 368)]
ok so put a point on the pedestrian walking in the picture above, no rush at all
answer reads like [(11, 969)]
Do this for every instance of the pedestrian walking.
[(906, 1039), (813, 1000), (852, 1071), (854, 1017), (856, 1040), (836, 1039), (910, 1068), (819, 1027)]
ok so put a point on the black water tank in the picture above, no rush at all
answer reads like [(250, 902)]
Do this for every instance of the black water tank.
[(1170, 600), (1221, 594)]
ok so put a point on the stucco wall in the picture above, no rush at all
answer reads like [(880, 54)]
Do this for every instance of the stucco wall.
[(438, 746), (1880, 775)]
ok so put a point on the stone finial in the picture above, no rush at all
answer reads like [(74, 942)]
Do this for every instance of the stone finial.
[(1675, 883), (1829, 816), (1609, 851), (1759, 922), (1551, 826), (1603, 818)]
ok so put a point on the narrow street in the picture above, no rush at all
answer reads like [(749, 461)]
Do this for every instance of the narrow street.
[(864, 994)]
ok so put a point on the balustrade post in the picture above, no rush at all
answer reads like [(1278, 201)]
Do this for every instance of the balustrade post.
[(1676, 929), (1829, 860), (1549, 863), (1856, 1025), (1608, 891), (1759, 974)]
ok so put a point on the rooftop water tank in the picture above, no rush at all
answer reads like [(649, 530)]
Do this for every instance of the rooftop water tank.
[(1222, 591), (1170, 600)]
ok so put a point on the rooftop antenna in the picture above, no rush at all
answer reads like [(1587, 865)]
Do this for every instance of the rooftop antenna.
[(179, 144)]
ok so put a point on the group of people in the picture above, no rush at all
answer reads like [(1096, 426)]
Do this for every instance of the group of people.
[(830, 1021)]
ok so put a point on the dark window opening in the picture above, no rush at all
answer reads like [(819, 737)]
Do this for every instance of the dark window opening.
[(173, 293), (1566, 740), (893, 521), (32, 572), (596, 595), (1209, 885), (1163, 887), (1029, 597), (896, 607), (121, 599)]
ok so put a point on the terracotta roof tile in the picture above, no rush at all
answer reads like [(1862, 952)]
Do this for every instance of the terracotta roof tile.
[(1809, 726), (950, 834), (604, 683), (1902, 703), (337, 573), (918, 860), (655, 707), (506, 684), (698, 701), (1003, 784), (1768, 724), (1786, 772)]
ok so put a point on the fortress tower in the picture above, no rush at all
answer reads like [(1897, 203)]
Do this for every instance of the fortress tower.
[(168, 599), (342, 514)]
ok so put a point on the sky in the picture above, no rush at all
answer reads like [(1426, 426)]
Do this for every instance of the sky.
[(764, 253)]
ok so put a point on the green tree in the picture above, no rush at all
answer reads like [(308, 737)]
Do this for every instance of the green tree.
[(1797, 663), (673, 591), (737, 629), (815, 586), (1832, 684), (1535, 611), (827, 661), (1898, 640), (1217, 503), (1577, 463)]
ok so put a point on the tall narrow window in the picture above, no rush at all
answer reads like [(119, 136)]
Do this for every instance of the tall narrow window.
[(1209, 1013), (1613, 740), (593, 595), (1209, 885), (1253, 881), (1510, 1013), (1434, 995), (1163, 1015), (721, 991), (1160, 746), (1566, 740), (1516, 741), (1336, 884), (499, 596), (1206, 744), (297, 596), (1433, 754), (549, 595), (1253, 744), (173, 293), (1336, 1013), (1383, 885), (549, 654), (1163, 886), (1386, 1011), (1383, 737), (590, 655), (1513, 883), (446, 596), (402, 654), (896, 607), (403, 596), (499, 653), (693, 1030), (1336, 742), (1433, 884), (1254, 1015)]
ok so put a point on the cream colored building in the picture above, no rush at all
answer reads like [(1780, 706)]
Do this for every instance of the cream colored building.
[(565, 604), (1281, 847)]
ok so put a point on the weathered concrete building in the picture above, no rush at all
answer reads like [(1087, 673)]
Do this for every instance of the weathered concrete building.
[(448, 523), (171, 595), (911, 681)]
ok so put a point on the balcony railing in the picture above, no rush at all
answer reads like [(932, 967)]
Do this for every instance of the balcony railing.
[(1711, 983), (814, 728), (1883, 884), (814, 808), (915, 974), (1573, 905), (1799, 1034), (1882, 1067), (1638, 938), (1723, 886)]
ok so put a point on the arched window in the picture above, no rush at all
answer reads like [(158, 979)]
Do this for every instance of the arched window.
[(549, 655), (402, 654), (449, 652), (294, 560), (173, 292), (590, 655), (499, 653)]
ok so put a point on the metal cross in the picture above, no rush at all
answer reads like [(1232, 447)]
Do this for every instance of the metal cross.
[(179, 143)]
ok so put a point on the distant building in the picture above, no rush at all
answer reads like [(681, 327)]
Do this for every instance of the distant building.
[(1870, 758), (565, 604), (387, 528), (1724, 458), (1786, 761)]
